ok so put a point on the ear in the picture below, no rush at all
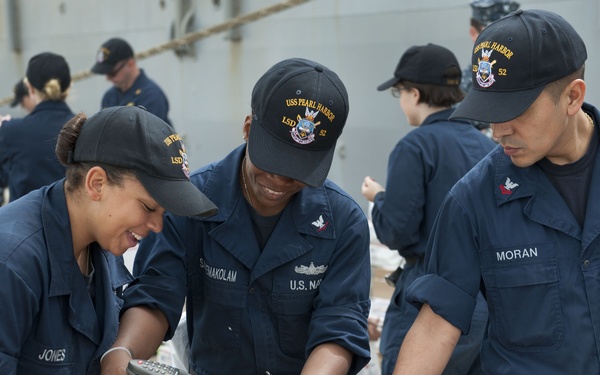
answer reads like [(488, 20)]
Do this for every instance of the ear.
[(415, 95), (576, 94), (246, 127), (29, 87), (33, 95), (95, 183), (473, 33)]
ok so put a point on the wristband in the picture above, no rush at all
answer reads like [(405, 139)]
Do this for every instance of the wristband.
[(116, 348)]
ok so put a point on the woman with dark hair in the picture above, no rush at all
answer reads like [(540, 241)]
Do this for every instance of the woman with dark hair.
[(59, 264), (422, 168)]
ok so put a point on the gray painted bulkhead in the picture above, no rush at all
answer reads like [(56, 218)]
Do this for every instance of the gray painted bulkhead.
[(209, 84)]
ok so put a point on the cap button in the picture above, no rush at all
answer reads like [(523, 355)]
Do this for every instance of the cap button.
[(319, 68)]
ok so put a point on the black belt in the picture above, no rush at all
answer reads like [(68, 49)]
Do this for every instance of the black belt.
[(392, 278)]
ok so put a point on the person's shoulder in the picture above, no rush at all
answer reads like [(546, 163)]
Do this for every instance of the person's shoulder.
[(145, 80), (339, 197), (111, 92), (13, 126), (214, 176), (20, 224), (15, 121), (417, 134), (482, 175), (425, 133), (332, 203), (198, 175)]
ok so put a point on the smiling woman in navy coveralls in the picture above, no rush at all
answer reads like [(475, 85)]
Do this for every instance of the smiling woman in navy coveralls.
[(58, 270), (278, 281)]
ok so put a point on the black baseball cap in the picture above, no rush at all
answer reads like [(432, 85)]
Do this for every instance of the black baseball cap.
[(132, 138), (110, 53), (513, 60), (299, 110), (488, 11), (20, 91), (426, 64), (46, 66)]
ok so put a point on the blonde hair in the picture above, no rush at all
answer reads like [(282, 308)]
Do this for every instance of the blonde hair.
[(51, 90)]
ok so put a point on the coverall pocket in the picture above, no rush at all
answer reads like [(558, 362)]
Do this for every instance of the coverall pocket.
[(38, 358), (293, 313), (524, 300), (217, 316)]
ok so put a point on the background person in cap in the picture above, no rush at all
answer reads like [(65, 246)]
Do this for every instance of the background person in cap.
[(421, 170), (27, 144), (278, 281), (59, 266), (484, 12), (22, 97), (131, 85), (522, 225)]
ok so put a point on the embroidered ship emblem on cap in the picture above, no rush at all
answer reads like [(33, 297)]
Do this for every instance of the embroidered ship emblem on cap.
[(485, 77), (185, 165), (102, 55), (304, 132)]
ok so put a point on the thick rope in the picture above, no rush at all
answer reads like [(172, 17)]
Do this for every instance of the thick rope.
[(192, 37)]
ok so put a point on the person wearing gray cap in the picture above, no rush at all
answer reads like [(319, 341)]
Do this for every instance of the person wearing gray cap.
[(278, 281), (27, 143), (522, 227), (60, 266)]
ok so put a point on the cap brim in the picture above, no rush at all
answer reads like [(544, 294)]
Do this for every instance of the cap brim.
[(102, 68), (494, 106), (16, 100), (179, 197), (387, 84), (272, 155)]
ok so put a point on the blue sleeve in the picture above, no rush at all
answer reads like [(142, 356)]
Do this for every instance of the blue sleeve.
[(398, 213), (19, 306), (342, 306), (453, 275), (4, 148), (160, 274)]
